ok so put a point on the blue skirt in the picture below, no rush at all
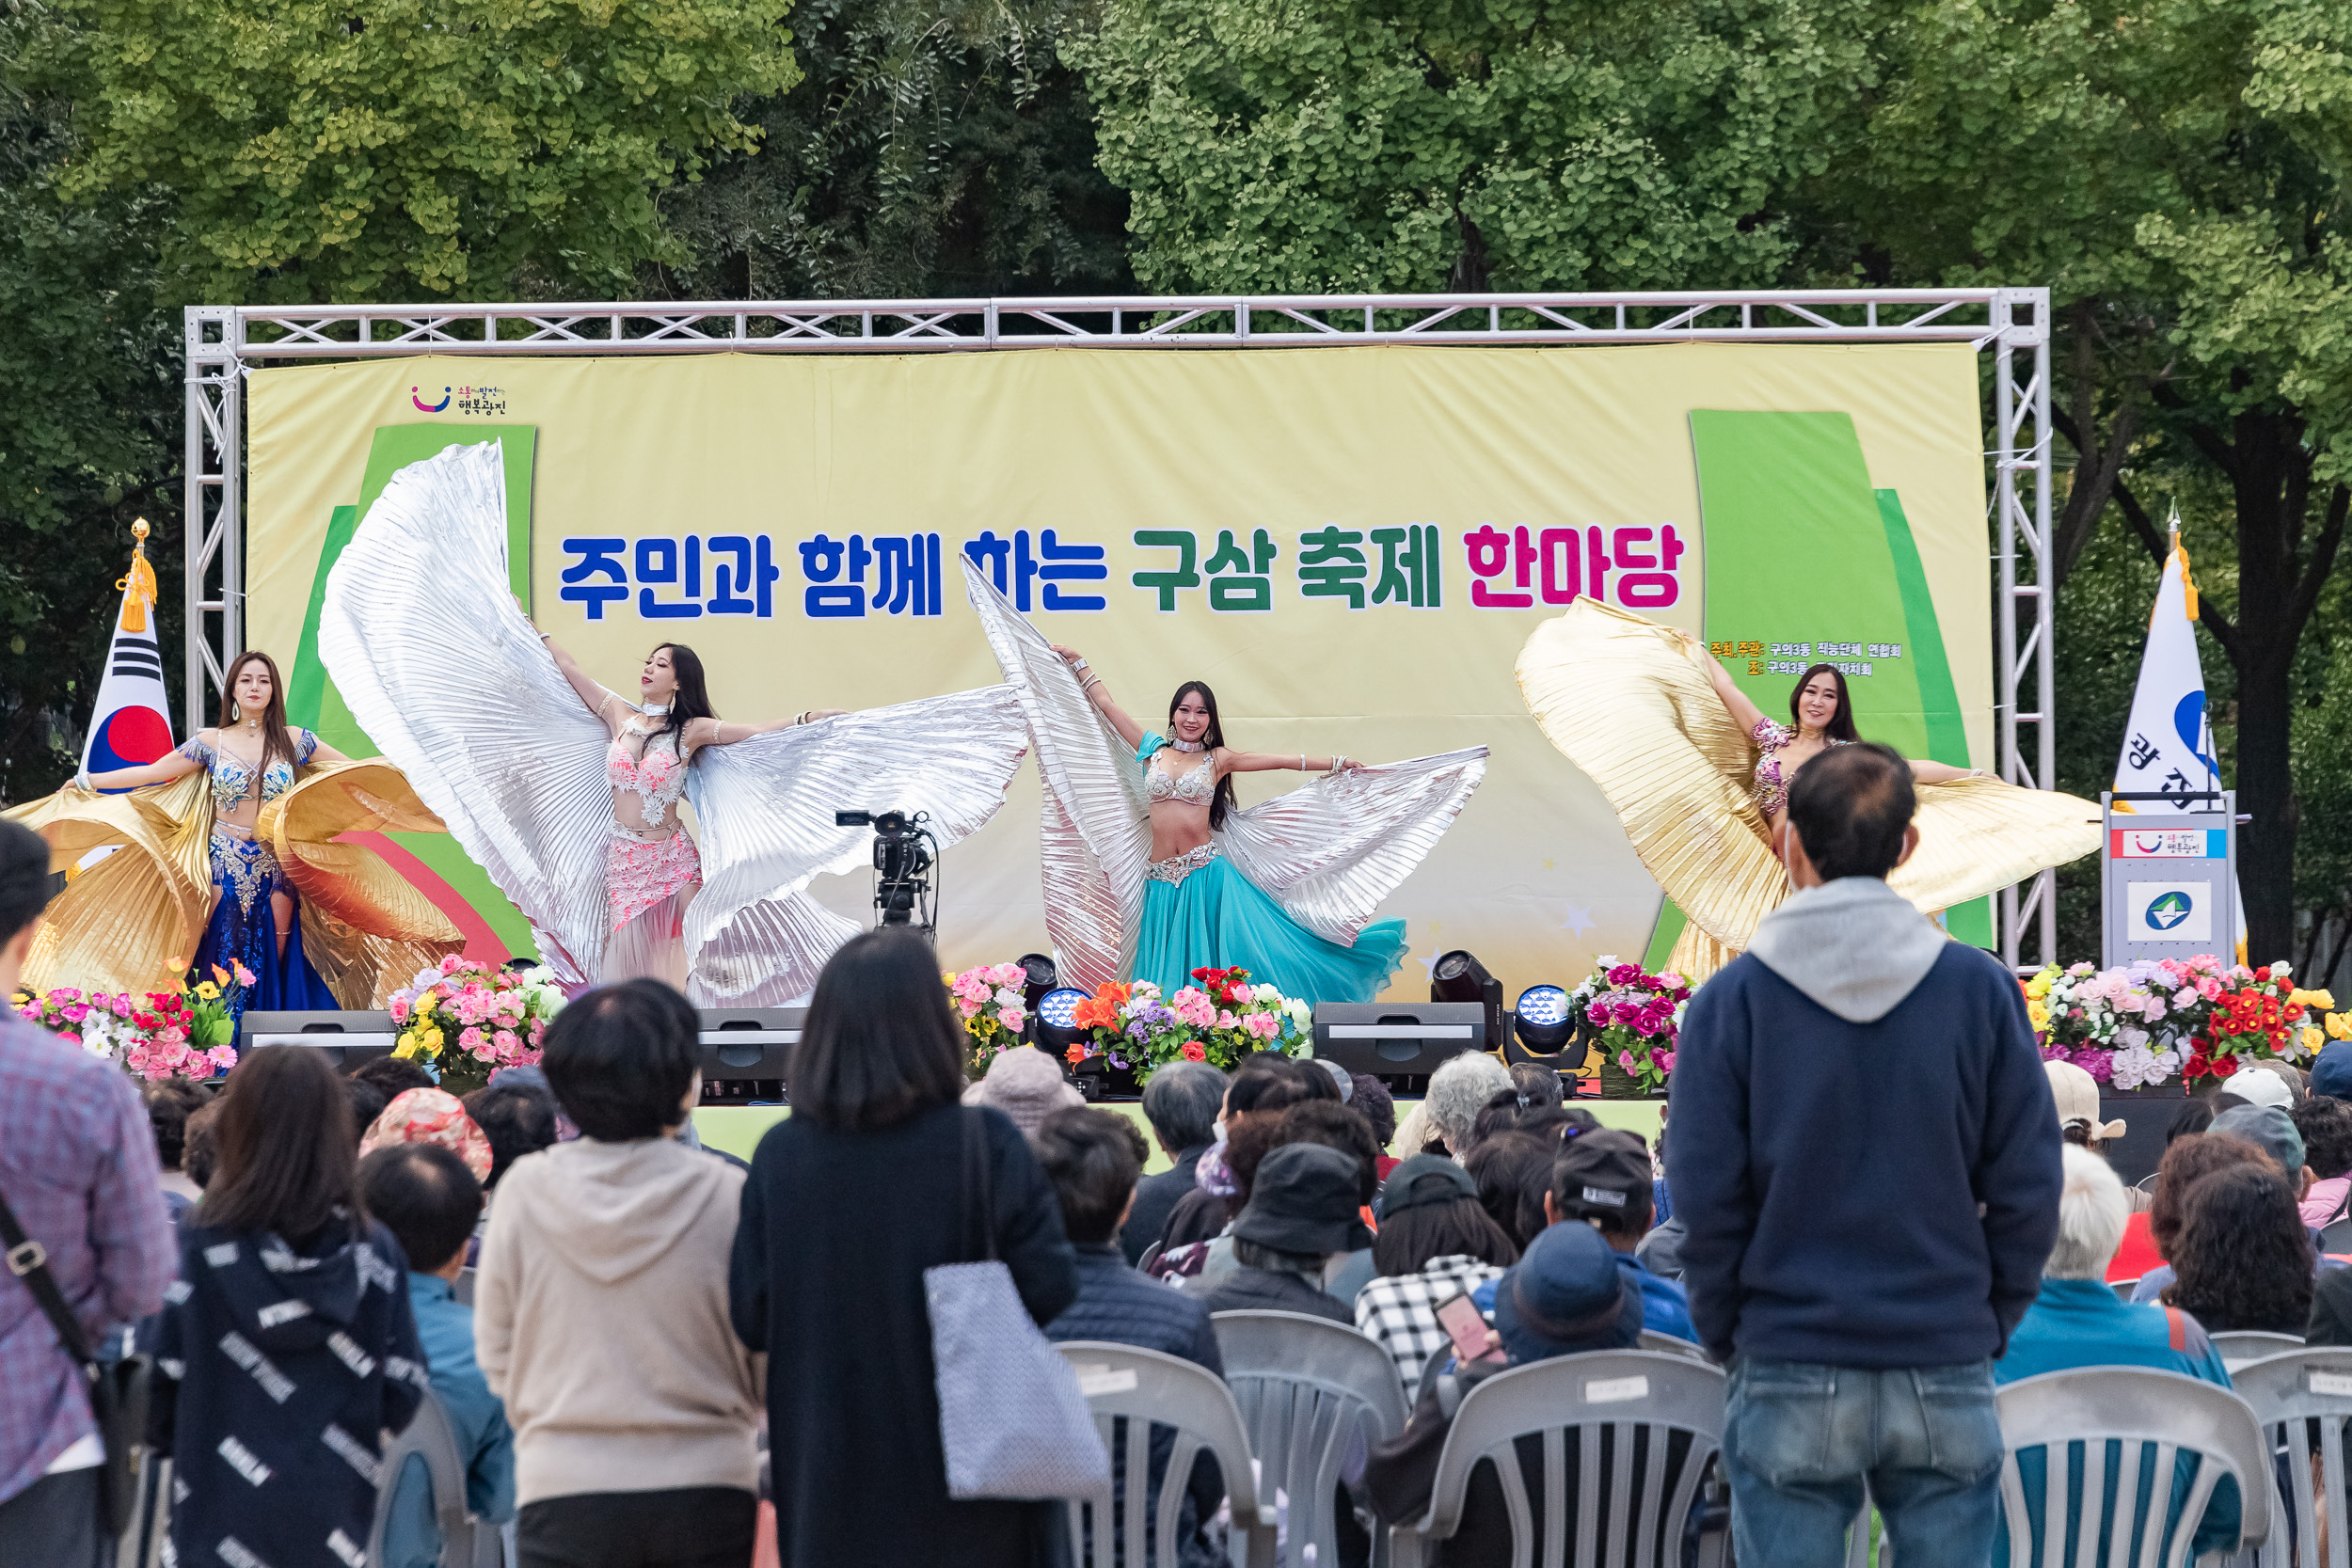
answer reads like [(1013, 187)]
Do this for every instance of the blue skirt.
[(246, 874), (1216, 918)]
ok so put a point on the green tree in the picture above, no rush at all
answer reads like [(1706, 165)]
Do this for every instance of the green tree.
[(933, 147), (1319, 146), (386, 150), (2177, 173)]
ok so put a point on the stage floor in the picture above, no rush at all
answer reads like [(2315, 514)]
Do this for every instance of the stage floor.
[(737, 1129)]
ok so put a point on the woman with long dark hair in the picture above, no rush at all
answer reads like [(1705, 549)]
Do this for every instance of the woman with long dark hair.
[(1699, 775), (288, 1347), (235, 786), (1153, 871), (2243, 1258), (568, 794), (878, 1175)]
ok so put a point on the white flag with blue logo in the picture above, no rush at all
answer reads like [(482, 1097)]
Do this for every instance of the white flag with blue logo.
[(2167, 746), (131, 726)]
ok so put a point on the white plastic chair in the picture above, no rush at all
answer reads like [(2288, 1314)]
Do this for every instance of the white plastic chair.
[(2246, 1345), (2142, 1411), (1669, 1345), (2296, 1396), (1306, 1388), (1145, 1387), (464, 1543), (1616, 1392)]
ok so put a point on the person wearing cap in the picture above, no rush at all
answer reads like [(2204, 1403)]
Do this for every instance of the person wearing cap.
[(1301, 1213), (2259, 1085), (1865, 1158), (2331, 1071), (1565, 1297), (1602, 1180), (1027, 1085), (1436, 1240), (2076, 1095)]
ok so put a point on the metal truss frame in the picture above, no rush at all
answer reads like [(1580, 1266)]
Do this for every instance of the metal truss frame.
[(225, 341)]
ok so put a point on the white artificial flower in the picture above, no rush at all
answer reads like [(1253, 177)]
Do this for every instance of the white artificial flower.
[(1299, 1012), (1267, 994)]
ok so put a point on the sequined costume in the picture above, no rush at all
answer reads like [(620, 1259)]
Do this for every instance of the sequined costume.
[(526, 775), (1628, 703), (1285, 889), (180, 883)]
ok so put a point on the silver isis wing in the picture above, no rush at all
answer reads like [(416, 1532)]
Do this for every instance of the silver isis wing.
[(1330, 850), (765, 807), (1096, 837), (458, 691)]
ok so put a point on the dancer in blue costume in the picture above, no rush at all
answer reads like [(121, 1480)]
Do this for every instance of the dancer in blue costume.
[(1199, 912), (250, 758)]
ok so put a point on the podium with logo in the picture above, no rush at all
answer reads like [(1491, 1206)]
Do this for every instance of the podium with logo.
[(2170, 866)]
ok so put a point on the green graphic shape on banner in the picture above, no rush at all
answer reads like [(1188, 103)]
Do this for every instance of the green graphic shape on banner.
[(312, 699), (1808, 562)]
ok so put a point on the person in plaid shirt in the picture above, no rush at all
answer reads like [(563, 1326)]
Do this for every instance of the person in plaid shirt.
[(1435, 1241), (78, 1167)]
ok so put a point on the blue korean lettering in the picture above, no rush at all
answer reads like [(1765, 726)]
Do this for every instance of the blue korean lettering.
[(751, 571), (657, 565), (596, 556)]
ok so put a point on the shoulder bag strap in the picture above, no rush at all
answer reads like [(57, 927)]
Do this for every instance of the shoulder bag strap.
[(29, 1262), (976, 1187)]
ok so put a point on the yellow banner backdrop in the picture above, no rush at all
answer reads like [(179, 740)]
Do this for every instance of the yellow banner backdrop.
[(1349, 545)]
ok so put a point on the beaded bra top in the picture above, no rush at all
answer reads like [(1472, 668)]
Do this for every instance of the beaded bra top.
[(232, 778), (1771, 787), (1195, 787), (657, 775)]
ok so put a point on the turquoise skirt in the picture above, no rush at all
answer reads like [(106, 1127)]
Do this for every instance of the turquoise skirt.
[(1216, 918)]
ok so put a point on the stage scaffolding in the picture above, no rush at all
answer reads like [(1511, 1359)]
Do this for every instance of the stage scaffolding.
[(225, 341)]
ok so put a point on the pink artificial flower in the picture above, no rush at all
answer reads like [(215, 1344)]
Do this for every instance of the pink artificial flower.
[(1193, 1051), (245, 976), (1665, 1060), (1262, 1026), (2209, 987), (1625, 1060), (174, 1035), (65, 993), (507, 1040), (70, 1039), (453, 964), (1625, 974), (400, 1010), (75, 1013), (1012, 1018), (470, 1039), (969, 1007), (1225, 1020)]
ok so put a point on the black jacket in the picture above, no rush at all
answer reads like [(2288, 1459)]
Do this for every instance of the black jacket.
[(827, 1278), (1155, 1199), (1267, 1291)]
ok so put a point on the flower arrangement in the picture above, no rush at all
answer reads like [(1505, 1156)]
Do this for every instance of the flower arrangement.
[(496, 1016), (1637, 1015), (1218, 1021), (994, 1007), (97, 1022), (2138, 1024)]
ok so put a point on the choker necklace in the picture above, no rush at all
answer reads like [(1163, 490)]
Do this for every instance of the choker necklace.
[(1187, 745), (650, 711)]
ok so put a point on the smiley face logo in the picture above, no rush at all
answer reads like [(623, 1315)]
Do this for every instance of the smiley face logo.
[(429, 407)]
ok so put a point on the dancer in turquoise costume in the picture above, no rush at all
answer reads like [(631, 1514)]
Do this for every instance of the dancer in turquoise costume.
[(1151, 870)]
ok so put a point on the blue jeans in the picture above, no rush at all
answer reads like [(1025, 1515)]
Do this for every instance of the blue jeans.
[(1800, 1439)]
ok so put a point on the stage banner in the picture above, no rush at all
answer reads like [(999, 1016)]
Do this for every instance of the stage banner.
[(1349, 545)]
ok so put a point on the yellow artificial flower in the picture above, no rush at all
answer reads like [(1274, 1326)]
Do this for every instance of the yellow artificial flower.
[(407, 1048), (2312, 1038), (2038, 1015), (2038, 987), (2318, 1000), (176, 963), (2340, 1027), (208, 991)]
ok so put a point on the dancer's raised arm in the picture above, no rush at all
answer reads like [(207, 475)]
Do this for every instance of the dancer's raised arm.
[(1129, 731), (171, 766), (1743, 712), (1269, 762), (716, 731), (597, 697)]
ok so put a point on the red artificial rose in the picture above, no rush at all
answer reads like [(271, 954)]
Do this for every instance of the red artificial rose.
[(2199, 1066), (2224, 1067)]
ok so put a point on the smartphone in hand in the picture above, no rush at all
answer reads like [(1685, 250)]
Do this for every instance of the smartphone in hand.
[(1466, 1327)]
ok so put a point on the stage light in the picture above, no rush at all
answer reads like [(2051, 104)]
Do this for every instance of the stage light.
[(1043, 976), (1543, 1024), (1056, 1032), (1458, 977)]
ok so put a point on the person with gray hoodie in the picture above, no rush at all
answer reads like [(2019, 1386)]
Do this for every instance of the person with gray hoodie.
[(600, 1311), (1865, 1158)]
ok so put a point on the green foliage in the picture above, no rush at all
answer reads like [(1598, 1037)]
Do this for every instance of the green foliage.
[(934, 148), (397, 149), (1317, 146)]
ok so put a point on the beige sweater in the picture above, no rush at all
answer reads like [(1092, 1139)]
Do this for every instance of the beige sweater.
[(600, 1318)]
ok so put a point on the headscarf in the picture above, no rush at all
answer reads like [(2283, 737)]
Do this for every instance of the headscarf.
[(431, 1117)]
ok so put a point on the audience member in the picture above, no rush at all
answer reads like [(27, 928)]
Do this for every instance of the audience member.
[(2332, 1071), (1320, 1121), (1182, 1102), (1540, 1085), (1092, 1158), (202, 1154), (1514, 1172), (1027, 1085), (170, 1101), (1458, 1089), (1852, 1058), (2332, 1309), (1602, 1180), (1262, 1086), (287, 1348), (2184, 1166), (1300, 1215), (2244, 1259), (393, 1075), (517, 1118), (2270, 1130), (1566, 1296), (367, 1100), (429, 1200), (1417, 1134), (2325, 1125), (430, 1117), (1341, 1078), (1436, 1240), (1373, 1102), (2076, 1095), (868, 1183), (2262, 1086), (1512, 1110), (601, 1307), (2076, 1320), (78, 1169)]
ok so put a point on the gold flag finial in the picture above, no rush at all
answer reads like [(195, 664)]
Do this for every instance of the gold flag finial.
[(138, 585), (2189, 583)]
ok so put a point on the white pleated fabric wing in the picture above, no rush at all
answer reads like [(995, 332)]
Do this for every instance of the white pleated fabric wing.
[(447, 678), (765, 807), (1095, 837)]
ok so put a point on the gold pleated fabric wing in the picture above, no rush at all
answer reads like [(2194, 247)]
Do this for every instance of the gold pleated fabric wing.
[(365, 927), (130, 921), (1628, 701)]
